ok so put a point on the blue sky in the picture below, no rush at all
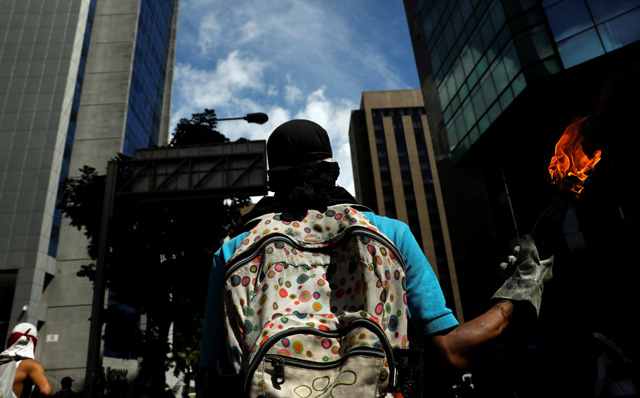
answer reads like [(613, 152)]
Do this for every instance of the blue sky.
[(290, 59)]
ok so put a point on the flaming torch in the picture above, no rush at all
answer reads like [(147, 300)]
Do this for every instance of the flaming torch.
[(569, 169), (570, 166)]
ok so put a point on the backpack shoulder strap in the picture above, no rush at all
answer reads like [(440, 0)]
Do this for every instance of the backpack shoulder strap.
[(7, 376)]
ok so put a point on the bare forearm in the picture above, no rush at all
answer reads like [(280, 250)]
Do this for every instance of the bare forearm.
[(458, 345)]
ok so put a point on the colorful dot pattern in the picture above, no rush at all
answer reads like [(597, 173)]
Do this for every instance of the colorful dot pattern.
[(286, 287)]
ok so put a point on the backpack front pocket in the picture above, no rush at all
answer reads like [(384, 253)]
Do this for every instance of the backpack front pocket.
[(355, 361), (357, 374)]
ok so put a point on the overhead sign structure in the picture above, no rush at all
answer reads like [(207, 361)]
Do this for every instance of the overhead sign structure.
[(216, 170)]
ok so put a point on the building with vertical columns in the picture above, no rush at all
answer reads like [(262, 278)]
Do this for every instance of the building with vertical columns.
[(80, 81), (395, 175)]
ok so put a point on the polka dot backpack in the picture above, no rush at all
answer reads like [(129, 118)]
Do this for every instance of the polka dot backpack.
[(316, 307)]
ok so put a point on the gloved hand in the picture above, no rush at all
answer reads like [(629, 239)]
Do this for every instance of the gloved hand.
[(525, 275)]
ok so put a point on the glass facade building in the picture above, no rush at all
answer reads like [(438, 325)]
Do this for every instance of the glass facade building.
[(484, 53), (585, 29), (501, 81), (148, 75), (80, 81)]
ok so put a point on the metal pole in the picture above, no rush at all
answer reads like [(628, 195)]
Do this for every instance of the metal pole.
[(513, 215), (94, 357), (230, 118)]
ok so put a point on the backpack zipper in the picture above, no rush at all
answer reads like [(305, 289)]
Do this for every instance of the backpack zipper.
[(363, 322), (278, 362), (354, 230)]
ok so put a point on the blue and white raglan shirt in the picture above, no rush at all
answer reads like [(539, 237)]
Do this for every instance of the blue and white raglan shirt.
[(425, 301)]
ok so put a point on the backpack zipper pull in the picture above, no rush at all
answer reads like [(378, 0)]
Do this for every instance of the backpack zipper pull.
[(278, 366)]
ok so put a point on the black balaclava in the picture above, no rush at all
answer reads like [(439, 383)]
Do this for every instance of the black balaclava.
[(302, 174), (297, 142)]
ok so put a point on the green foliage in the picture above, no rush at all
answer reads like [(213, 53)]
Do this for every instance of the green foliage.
[(200, 129), (82, 204), (159, 258)]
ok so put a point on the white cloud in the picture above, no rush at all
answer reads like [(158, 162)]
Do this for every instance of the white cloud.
[(240, 71), (334, 116), (250, 31), (233, 81), (272, 90), (311, 42), (209, 32), (292, 94), (257, 56)]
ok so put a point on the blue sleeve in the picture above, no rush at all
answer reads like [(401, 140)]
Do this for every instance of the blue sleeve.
[(425, 301), (212, 326)]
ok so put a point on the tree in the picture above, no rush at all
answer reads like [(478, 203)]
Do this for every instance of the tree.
[(200, 129), (158, 265)]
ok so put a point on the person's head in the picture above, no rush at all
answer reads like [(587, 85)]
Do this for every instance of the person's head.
[(66, 382), (297, 143), (23, 334), (299, 150)]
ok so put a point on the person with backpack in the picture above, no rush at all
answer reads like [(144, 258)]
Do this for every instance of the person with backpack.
[(318, 295), (20, 374)]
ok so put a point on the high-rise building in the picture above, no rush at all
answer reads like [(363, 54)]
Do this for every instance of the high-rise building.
[(395, 175), (501, 80), (80, 82)]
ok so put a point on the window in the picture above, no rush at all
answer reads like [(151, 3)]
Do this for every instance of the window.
[(534, 45), (605, 10), (568, 18), (580, 48), (620, 31)]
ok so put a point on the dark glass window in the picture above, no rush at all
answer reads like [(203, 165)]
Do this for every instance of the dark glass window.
[(497, 17), (603, 10), (405, 173), (547, 3), (148, 77), (568, 18), (500, 77), (383, 162), (534, 45), (468, 113), (580, 48), (488, 89), (477, 101), (451, 135), (571, 21), (621, 30), (465, 9), (511, 62)]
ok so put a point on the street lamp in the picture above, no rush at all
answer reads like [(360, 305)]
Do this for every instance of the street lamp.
[(258, 118)]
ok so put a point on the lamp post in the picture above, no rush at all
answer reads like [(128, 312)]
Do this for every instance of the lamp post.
[(258, 118)]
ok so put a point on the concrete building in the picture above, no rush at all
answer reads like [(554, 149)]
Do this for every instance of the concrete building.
[(501, 80), (395, 175), (80, 81)]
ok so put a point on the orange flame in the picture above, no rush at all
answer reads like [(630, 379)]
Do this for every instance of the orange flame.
[(570, 165)]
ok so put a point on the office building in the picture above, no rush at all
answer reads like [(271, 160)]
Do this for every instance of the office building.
[(395, 175), (80, 81), (501, 80)]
